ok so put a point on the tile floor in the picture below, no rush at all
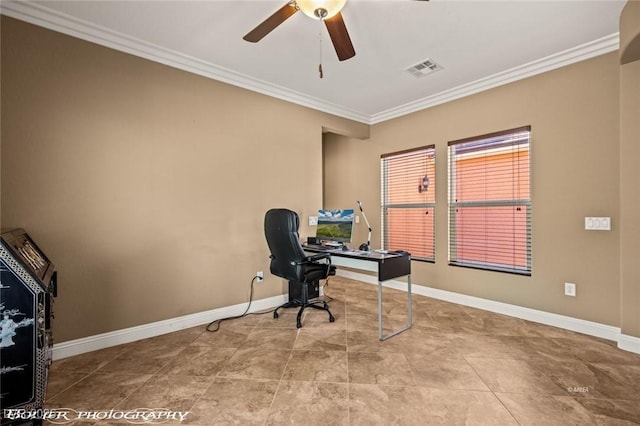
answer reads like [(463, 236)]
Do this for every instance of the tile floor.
[(457, 365)]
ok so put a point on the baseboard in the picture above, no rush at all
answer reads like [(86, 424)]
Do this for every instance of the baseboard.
[(628, 343), (118, 337), (127, 335)]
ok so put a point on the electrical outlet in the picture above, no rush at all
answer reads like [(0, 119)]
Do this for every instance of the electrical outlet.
[(260, 276), (569, 289), (313, 220)]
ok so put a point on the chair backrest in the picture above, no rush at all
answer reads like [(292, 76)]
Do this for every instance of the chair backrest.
[(281, 232)]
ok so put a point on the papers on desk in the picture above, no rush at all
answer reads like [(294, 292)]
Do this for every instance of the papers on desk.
[(369, 254), (354, 252)]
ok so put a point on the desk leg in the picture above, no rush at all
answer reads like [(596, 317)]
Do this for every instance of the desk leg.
[(381, 336)]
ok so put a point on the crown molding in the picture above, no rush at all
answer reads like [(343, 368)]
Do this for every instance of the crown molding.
[(585, 51), (42, 16), (45, 17)]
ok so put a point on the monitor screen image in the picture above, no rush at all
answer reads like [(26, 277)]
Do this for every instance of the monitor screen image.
[(335, 225)]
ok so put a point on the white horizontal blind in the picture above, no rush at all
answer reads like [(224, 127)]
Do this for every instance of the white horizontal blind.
[(408, 202), (490, 202)]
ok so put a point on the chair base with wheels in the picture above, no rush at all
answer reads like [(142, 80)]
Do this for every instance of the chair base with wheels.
[(303, 303)]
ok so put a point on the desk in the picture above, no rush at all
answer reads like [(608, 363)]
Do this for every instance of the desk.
[(386, 266)]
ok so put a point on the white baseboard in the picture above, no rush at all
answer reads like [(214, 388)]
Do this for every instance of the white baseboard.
[(628, 343), (127, 335), (118, 337)]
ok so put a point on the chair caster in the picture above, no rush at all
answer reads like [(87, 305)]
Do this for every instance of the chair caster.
[(331, 318), (275, 315), (298, 324)]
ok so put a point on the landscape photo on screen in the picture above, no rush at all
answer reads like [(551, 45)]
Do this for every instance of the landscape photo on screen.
[(335, 224)]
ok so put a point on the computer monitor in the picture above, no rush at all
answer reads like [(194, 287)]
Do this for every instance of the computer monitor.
[(335, 225)]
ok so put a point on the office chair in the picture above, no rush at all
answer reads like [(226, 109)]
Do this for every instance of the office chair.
[(290, 262)]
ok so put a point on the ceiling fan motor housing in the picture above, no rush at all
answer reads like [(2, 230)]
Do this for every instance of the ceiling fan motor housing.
[(320, 9)]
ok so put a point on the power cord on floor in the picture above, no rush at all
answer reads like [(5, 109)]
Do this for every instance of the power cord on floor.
[(324, 291), (246, 311), (219, 321)]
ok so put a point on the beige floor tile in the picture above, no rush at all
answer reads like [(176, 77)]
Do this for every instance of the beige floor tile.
[(98, 391), (369, 341), (143, 359), (384, 368), (266, 338), (464, 407), (583, 380), (456, 365), (593, 350), (175, 393), (225, 337), (234, 402), (89, 362), (321, 339), (618, 381), (401, 405), (60, 380), (310, 403), (198, 361), (178, 338), (317, 366), (385, 405), (513, 376), (444, 372), (611, 412), (538, 409), (250, 320), (256, 363)]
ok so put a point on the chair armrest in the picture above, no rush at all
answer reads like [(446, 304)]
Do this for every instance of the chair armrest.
[(318, 256), (314, 258)]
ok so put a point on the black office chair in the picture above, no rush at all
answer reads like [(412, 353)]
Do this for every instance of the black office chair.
[(290, 262)]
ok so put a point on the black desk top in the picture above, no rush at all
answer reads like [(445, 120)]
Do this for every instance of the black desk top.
[(378, 256)]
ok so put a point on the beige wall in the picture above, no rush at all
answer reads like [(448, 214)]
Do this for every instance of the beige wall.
[(574, 116), (629, 170), (146, 185), (630, 32)]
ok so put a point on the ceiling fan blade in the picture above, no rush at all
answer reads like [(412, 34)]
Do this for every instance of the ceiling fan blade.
[(340, 37), (269, 24)]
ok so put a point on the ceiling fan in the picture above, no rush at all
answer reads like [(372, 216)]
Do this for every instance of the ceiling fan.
[(324, 10)]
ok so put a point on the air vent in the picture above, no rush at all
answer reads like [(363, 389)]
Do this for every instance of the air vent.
[(423, 68)]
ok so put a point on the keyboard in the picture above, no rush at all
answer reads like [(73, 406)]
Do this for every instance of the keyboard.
[(318, 247)]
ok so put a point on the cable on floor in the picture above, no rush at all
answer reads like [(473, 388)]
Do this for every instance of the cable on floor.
[(246, 311)]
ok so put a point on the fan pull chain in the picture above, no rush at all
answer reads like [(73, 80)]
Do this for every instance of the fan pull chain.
[(320, 44)]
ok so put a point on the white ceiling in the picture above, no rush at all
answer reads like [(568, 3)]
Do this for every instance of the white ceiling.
[(480, 44)]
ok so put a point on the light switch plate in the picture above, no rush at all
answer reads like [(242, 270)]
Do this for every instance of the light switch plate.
[(597, 223), (313, 220)]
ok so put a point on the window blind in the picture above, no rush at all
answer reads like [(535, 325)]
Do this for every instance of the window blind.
[(490, 201), (408, 202)]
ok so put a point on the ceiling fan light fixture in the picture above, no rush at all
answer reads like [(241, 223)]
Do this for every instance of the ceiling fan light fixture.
[(320, 9)]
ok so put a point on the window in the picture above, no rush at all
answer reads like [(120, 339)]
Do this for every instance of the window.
[(490, 202), (408, 202)]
